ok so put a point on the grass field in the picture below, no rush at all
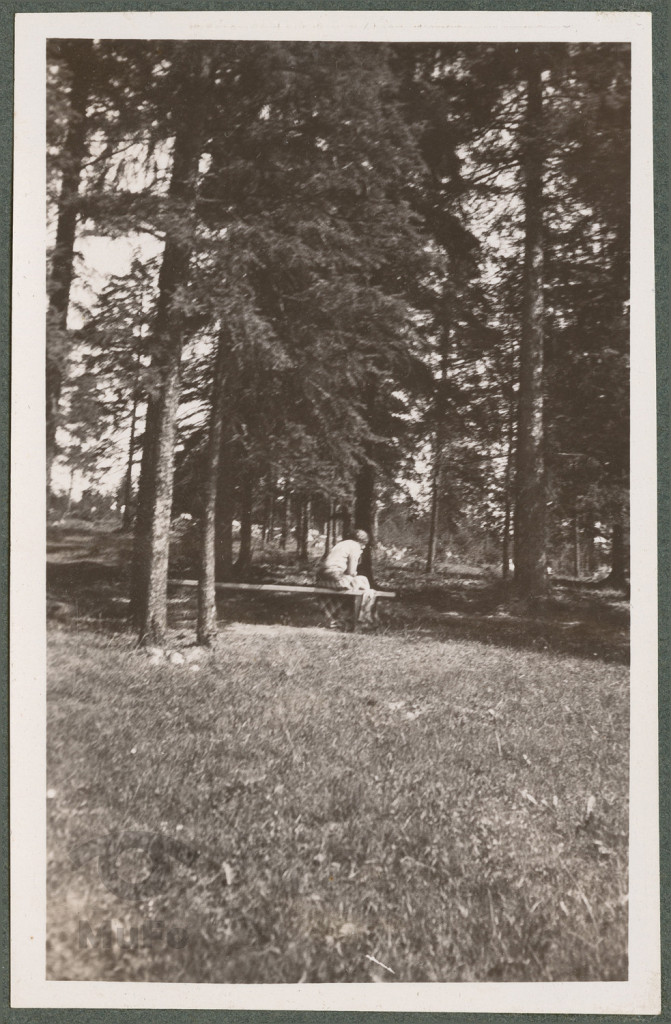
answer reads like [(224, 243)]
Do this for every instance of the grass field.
[(449, 797)]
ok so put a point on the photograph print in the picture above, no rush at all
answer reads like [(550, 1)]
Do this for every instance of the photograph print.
[(337, 415)]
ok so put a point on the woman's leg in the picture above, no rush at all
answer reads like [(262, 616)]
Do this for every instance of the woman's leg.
[(368, 599), (333, 580)]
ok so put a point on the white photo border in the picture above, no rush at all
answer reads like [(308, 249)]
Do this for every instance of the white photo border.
[(29, 987)]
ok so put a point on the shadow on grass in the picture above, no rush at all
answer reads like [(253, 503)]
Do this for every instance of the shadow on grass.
[(575, 621), (582, 621)]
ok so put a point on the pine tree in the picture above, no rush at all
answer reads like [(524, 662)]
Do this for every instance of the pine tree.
[(588, 291), (352, 220), (191, 89), (319, 259)]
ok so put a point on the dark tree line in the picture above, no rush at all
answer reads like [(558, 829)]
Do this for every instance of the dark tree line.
[(363, 255)]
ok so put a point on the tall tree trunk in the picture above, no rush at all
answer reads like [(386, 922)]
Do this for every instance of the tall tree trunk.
[(284, 525), (505, 551), (127, 520), (364, 516), (618, 554), (298, 529), (244, 560), (330, 524), (207, 606), (153, 623), (142, 524), (346, 521), (225, 510), (305, 531), (439, 436), (169, 330), (364, 500), (267, 513), (68, 504), (576, 544), (224, 540), (435, 506), (530, 544), (79, 56), (271, 519), (589, 546)]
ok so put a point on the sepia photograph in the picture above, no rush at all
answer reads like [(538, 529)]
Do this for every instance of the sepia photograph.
[(337, 355)]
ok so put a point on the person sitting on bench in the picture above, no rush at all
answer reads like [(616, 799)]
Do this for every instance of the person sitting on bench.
[(338, 571)]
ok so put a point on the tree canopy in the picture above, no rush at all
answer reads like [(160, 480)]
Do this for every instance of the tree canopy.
[(361, 266)]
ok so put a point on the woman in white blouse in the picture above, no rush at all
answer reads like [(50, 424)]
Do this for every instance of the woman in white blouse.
[(338, 570)]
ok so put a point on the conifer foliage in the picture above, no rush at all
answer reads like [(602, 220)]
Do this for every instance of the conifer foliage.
[(351, 261)]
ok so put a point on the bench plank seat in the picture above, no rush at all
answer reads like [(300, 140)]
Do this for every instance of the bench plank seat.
[(286, 588)]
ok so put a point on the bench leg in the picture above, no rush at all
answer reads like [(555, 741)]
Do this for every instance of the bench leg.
[(356, 610)]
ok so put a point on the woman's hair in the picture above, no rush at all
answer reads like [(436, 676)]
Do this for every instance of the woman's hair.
[(361, 536)]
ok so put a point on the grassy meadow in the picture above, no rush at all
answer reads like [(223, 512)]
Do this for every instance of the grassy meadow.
[(452, 808)]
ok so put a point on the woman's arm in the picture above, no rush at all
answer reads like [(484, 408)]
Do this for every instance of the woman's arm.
[(353, 559)]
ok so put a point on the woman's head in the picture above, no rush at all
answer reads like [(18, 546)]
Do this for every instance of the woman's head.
[(362, 537)]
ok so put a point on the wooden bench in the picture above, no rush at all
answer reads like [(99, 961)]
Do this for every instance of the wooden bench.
[(327, 599)]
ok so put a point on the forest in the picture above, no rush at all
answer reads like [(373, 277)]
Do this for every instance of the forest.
[(373, 286), (297, 290)]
